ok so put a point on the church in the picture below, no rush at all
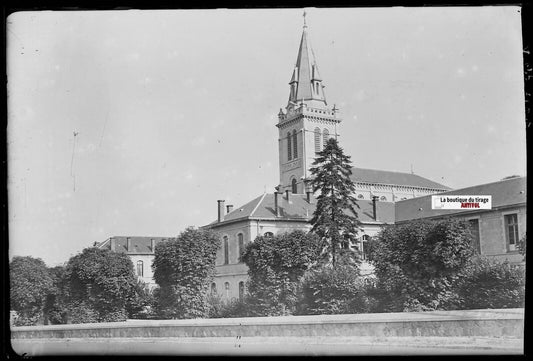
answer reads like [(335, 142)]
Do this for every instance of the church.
[(304, 126)]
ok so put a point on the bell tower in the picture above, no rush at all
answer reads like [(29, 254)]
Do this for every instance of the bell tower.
[(307, 121)]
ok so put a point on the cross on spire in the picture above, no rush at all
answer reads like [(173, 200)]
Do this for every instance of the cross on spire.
[(304, 14)]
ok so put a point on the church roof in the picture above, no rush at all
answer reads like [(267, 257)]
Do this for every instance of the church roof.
[(363, 175), (504, 193), (299, 209)]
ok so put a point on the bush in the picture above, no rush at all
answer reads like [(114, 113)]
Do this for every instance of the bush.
[(219, 308), (30, 284), (142, 305), (81, 312), (419, 263), (275, 267), (183, 269), (492, 284), (337, 290), (100, 284)]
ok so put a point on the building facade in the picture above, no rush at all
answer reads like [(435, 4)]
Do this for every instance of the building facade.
[(496, 231)]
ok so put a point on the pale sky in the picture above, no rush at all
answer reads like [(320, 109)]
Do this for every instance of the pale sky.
[(176, 109)]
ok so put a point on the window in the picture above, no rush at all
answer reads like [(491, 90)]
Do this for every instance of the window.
[(226, 289), (240, 241), (294, 186), (269, 234), (213, 288), (474, 229), (317, 140), (362, 246), (241, 291), (294, 144), (226, 250), (511, 231), (289, 146), (140, 268), (325, 136)]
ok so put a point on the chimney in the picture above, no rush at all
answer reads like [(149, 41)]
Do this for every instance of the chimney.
[(220, 210), (152, 244), (128, 244), (276, 203), (374, 200), (287, 194), (113, 244), (229, 208)]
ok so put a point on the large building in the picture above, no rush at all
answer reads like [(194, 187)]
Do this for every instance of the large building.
[(384, 197), (496, 231), (304, 127)]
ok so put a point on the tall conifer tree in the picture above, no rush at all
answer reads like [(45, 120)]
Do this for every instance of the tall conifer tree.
[(335, 218)]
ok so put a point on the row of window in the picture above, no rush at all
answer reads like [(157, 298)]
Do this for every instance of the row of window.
[(240, 245), (321, 138), (227, 289)]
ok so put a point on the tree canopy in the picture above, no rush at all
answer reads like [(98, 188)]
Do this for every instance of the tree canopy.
[(184, 268), (417, 263), (275, 267), (335, 218), (30, 283), (101, 283)]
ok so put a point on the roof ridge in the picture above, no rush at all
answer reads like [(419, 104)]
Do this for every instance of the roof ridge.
[(257, 205), (486, 184)]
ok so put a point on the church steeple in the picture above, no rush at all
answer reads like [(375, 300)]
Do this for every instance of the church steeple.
[(306, 123), (306, 83)]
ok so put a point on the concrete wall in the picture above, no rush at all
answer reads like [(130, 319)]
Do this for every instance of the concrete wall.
[(473, 323)]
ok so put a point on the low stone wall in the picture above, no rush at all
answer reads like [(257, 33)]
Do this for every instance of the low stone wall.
[(473, 323)]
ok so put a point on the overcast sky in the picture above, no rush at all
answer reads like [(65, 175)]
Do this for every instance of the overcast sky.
[(176, 109)]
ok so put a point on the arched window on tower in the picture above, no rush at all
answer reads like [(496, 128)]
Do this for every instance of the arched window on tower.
[(294, 186), (289, 146), (226, 250), (317, 140), (325, 136), (294, 144)]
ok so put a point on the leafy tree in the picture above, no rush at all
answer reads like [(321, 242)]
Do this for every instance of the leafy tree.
[(30, 283), (419, 262), (491, 284), (141, 306), (184, 268), (275, 267), (330, 290), (335, 218), (56, 305), (101, 283)]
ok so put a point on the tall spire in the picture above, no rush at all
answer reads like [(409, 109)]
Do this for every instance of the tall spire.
[(306, 84)]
